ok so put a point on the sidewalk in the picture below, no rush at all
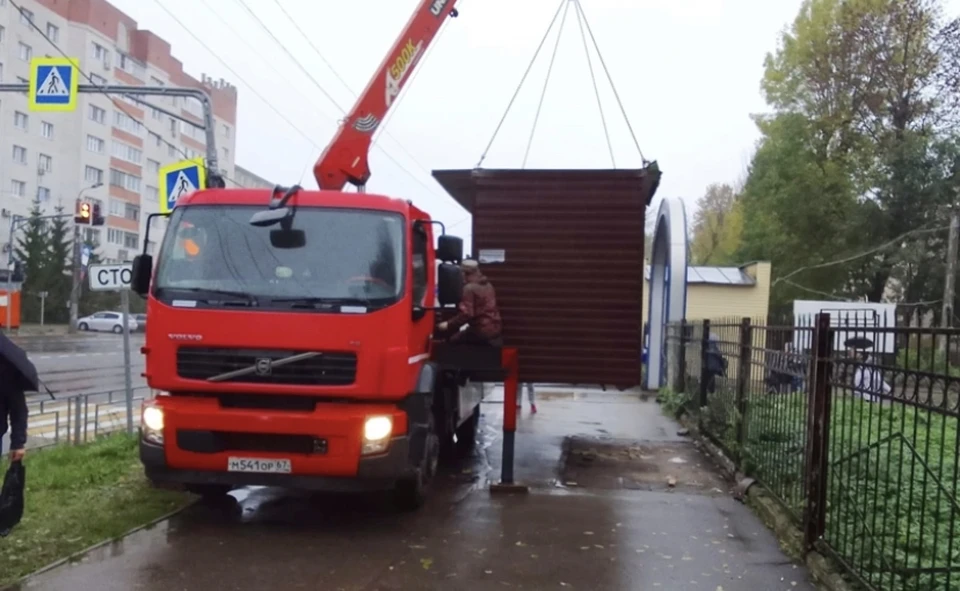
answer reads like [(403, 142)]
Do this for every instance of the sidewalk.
[(618, 501)]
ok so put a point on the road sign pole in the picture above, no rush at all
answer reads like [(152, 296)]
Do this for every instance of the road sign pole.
[(13, 228), (128, 379)]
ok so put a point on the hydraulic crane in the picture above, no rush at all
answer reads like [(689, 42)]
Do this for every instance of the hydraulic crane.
[(346, 159)]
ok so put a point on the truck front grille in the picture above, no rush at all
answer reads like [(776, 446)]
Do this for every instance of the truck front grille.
[(254, 366)]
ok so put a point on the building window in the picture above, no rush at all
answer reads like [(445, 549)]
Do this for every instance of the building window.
[(226, 130), (173, 126), (98, 80), (19, 154), (2, 31), (46, 130), (226, 154), (114, 236), (53, 32), (153, 167), (95, 144), (26, 17), (131, 240), (1, 65), (91, 236), (25, 52), (171, 150), (97, 114), (153, 195), (156, 138), (18, 188), (116, 207), (157, 115), (45, 162), (93, 175), (127, 123), (131, 212), (21, 120), (43, 194), (125, 180), (132, 66), (101, 54), (127, 152)]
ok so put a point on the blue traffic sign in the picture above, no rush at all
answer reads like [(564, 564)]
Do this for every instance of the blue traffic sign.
[(178, 180), (53, 84)]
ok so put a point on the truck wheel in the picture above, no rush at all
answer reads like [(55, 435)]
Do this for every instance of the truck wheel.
[(467, 434), (410, 493), (209, 492)]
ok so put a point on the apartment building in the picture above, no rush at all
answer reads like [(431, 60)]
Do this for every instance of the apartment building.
[(247, 179), (57, 157)]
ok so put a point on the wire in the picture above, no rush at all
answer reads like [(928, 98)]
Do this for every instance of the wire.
[(522, 80), (546, 83), (596, 89), (616, 94), (116, 102), (865, 253)]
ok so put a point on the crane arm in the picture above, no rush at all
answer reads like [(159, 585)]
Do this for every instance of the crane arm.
[(346, 159)]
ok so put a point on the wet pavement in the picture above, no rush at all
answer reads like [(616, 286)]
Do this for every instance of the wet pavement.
[(594, 534)]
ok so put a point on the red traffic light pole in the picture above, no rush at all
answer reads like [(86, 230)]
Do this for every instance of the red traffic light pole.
[(75, 288)]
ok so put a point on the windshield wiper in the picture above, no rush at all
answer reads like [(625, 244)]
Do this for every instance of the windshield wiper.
[(314, 301), (245, 298)]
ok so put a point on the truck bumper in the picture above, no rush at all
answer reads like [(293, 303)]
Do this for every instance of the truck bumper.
[(323, 447), (373, 474)]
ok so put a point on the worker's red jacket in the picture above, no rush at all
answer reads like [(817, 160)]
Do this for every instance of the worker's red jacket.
[(478, 307)]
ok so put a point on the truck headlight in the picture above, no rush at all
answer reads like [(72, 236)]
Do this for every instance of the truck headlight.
[(376, 434), (151, 422)]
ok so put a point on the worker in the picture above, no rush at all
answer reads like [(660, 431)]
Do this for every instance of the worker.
[(478, 310)]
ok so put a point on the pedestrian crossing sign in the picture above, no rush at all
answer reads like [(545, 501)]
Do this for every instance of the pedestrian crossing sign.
[(54, 84), (180, 179)]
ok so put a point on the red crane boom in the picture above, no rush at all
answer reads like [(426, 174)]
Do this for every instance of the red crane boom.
[(346, 159)]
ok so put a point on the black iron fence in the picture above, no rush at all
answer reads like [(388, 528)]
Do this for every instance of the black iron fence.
[(852, 427)]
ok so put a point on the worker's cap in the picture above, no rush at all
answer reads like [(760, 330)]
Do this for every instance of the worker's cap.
[(469, 265)]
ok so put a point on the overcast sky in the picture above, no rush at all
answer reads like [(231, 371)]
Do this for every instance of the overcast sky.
[(687, 71)]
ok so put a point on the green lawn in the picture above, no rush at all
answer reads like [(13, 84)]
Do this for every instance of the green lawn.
[(892, 493), (76, 497)]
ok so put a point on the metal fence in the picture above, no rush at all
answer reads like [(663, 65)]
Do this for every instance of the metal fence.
[(79, 418), (854, 429)]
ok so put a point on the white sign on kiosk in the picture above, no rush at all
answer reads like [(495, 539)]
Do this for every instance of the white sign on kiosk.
[(110, 277)]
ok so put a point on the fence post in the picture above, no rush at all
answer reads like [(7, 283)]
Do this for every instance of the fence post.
[(818, 432), (704, 374), (744, 365), (682, 358)]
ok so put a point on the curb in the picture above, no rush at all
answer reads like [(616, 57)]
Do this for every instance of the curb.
[(759, 499), (81, 553)]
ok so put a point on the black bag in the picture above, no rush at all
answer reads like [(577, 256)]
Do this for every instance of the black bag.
[(11, 498)]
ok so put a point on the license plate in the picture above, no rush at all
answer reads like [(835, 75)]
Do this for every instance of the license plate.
[(258, 465)]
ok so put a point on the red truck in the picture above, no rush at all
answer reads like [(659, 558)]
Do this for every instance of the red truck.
[(291, 332)]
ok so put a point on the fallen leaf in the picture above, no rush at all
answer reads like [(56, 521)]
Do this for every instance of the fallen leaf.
[(426, 563), (520, 544)]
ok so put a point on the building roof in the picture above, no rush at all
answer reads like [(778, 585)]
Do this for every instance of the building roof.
[(713, 276)]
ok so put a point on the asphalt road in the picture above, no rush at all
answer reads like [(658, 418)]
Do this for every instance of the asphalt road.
[(83, 363)]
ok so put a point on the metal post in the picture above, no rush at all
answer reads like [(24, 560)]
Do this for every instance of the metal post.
[(128, 381), (818, 433), (704, 371), (743, 380), (43, 305), (77, 409), (13, 228), (213, 172), (75, 283), (682, 358), (511, 388), (950, 280)]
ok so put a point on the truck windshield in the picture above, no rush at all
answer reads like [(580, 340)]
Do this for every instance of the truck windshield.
[(212, 253)]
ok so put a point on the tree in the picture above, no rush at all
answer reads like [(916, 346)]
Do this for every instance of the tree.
[(870, 88), (31, 250), (717, 227), (59, 267)]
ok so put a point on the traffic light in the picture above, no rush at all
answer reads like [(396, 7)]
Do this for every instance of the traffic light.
[(97, 218), (83, 212)]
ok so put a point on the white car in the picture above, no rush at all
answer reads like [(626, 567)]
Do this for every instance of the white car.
[(106, 321)]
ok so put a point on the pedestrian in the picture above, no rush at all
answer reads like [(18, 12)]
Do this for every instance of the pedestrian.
[(13, 410), (478, 310), (530, 397), (716, 363)]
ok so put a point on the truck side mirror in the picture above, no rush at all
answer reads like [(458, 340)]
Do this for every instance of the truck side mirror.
[(449, 284), (450, 248), (140, 274)]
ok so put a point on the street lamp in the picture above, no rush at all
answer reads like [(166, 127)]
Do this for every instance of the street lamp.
[(77, 262)]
